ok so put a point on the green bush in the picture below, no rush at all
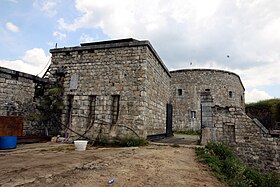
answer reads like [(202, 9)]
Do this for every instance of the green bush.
[(228, 168), (268, 102), (131, 141), (266, 111), (220, 150)]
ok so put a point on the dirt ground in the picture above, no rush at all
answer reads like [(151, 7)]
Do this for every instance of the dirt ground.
[(47, 164)]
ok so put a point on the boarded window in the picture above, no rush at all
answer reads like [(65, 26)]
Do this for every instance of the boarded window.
[(193, 114), (91, 114), (70, 99), (74, 81), (115, 108), (180, 92)]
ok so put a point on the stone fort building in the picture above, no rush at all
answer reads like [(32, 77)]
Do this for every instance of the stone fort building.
[(115, 84), (189, 86), (113, 88), (121, 87)]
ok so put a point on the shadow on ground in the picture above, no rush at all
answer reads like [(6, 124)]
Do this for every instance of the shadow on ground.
[(180, 140)]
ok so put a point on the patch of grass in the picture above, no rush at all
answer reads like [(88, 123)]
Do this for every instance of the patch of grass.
[(228, 168), (132, 141), (189, 132)]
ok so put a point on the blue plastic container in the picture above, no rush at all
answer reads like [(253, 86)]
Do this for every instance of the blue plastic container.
[(8, 142)]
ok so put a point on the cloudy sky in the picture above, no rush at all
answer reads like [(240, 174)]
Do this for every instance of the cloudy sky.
[(242, 36)]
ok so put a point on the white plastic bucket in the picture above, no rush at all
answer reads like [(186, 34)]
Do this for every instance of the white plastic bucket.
[(80, 145)]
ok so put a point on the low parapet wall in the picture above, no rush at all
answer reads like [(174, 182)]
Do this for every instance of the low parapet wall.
[(249, 138)]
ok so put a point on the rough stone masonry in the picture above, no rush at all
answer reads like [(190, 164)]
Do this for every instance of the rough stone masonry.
[(17, 97), (119, 83), (112, 88), (121, 87)]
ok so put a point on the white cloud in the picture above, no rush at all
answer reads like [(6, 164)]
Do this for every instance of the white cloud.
[(46, 6), (59, 35), (12, 27), (33, 62), (266, 74), (196, 30), (202, 32), (256, 95), (87, 38)]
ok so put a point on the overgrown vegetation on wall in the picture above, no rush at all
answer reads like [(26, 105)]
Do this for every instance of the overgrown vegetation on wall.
[(228, 168), (49, 108), (266, 111)]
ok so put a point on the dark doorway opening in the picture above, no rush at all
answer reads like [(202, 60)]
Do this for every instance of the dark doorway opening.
[(169, 112)]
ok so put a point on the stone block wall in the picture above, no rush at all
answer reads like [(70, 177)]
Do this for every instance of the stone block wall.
[(157, 83), (110, 86), (187, 85), (249, 138), (17, 97), (14, 92)]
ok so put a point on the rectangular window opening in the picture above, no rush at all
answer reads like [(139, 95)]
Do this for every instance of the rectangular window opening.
[(180, 92), (193, 114), (115, 108), (207, 90), (39, 91), (230, 94)]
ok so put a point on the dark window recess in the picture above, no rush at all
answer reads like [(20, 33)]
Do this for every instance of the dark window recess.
[(115, 108), (241, 98), (91, 114), (230, 94), (15, 76), (70, 99), (193, 114), (180, 92), (60, 71), (207, 90), (90, 50), (39, 91)]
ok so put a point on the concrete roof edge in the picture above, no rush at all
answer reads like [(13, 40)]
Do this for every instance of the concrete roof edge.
[(24, 75), (129, 42), (157, 56)]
